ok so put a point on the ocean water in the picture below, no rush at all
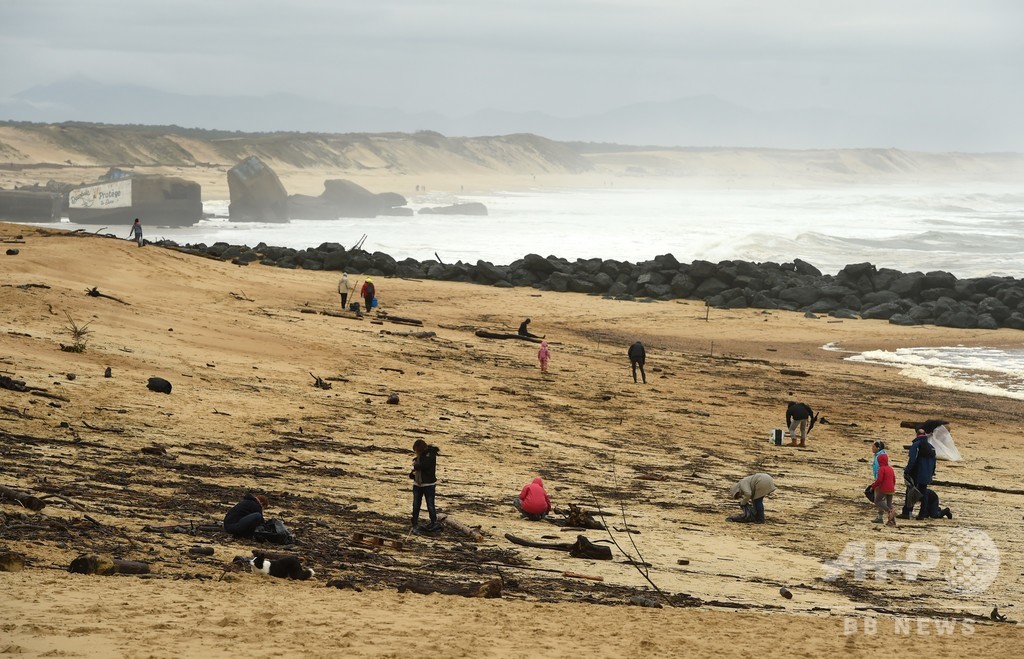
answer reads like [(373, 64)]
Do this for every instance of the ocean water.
[(970, 231), (990, 371)]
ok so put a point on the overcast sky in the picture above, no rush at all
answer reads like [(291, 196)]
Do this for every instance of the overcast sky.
[(563, 57)]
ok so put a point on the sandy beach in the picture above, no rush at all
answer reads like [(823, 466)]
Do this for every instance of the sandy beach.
[(242, 350)]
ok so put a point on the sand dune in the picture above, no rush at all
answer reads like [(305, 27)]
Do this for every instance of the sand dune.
[(659, 458)]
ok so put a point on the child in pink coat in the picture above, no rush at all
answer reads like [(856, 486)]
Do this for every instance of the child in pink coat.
[(543, 355)]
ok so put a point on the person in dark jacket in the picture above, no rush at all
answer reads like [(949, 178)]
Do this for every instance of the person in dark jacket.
[(799, 414), (247, 516), (920, 470), (524, 330), (424, 477), (637, 357)]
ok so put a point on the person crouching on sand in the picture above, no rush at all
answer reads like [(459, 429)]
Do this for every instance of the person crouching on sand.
[(533, 501), (750, 492), (544, 356), (246, 516)]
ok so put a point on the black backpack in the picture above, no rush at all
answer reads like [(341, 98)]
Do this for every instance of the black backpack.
[(275, 532)]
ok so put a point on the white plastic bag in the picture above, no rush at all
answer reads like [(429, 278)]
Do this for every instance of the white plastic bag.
[(943, 444)]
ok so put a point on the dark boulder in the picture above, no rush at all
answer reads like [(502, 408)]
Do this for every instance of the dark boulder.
[(159, 385), (257, 194)]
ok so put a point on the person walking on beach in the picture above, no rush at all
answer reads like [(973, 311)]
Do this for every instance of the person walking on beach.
[(246, 516), (637, 357), (136, 232), (919, 472), (533, 501), (424, 478), (344, 288), (368, 292), (544, 356), (750, 492), (884, 488), (799, 415), (524, 330)]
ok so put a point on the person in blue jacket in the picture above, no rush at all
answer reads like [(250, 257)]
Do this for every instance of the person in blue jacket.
[(920, 470)]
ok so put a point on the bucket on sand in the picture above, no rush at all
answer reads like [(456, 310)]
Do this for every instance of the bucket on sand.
[(776, 436)]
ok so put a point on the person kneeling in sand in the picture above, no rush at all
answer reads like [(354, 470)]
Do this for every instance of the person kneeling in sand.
[(246, 516), (751, 492), (533, 502)]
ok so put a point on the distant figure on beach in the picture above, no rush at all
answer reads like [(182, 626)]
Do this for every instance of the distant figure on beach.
[(918, 474), (424, 478), (136, 232), (884, 488), (750, 492), (344, 288), (799, 414), (533, 501), (246, 516), (368, 292), (637, 357), (524, 330), (544, 356)]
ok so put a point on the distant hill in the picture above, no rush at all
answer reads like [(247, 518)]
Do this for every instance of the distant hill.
[(93, 145), (697, 121)]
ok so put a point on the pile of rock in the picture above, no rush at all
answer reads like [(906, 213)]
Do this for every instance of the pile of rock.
[(858, 291)]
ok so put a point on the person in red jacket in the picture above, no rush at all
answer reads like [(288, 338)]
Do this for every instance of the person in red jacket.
[(884, 487), (533, 502)]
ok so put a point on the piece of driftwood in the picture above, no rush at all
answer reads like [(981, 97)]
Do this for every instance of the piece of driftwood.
[(982, 488), (928, 426), (577, 575), (560, 546), (47, 394), (95, 292), (484, 334), (584, 548), (417, 335), (792, 371), (579, 517), (61, 497), (319, 382), (106, 565), (472, 532), (488, 589), (21, 498), (12, 385)]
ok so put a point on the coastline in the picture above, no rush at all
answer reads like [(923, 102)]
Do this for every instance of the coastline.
[(235, 341)]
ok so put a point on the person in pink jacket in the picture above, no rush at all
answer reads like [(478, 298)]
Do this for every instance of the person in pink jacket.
[(543, 355), (533, 502), (884, 487)]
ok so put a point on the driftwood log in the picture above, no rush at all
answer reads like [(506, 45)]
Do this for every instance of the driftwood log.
[(489, 589), (472, 532), (400, 320), (95, 292), (484, 334), (577, 516), (417, 335), (928, 426), (106, 565), (582, 548), (981, 488), (26, 500)]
